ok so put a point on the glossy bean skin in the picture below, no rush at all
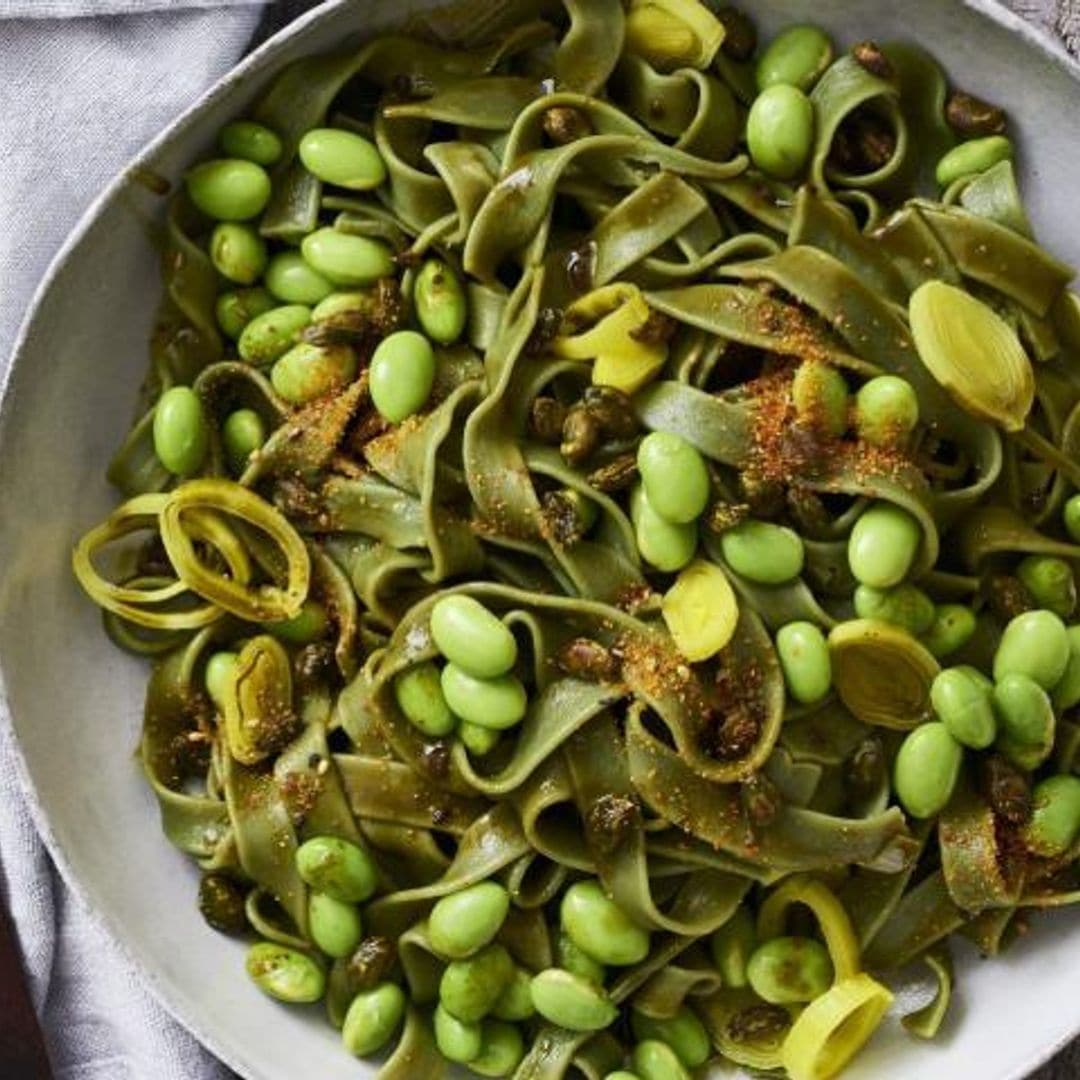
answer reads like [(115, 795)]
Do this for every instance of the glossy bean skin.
[(335, 926), (598, 926), (662, 544), (622, 1074), (372, 1019), (285, 974), (220, 669), (1051, 583), (798, 56), (963, 705), (654, 1060), (1026, 721), (571, 958), (762, 552), (571, 1002), (683, 1032), (883, 545), (516, 1003), (1067, 690), (953, 627), (470, 988), (1035, 644), (804, 659), (780, 131), (402, 374), (974, 156), (238, 252), (270, 335), (243, 432), (229, 189), (308, 625), (674, 476), (181, 432), (478, 740), (906, 606), (886, 411), (337, 867), (440, 303), (419, 695), (501, 1050), (342, 158), (464, 922), (926, 769), (237, 307), (457, 1041), (1055, 816), (250, 141), (732, 946), (307, 372), (472, 637), (346, 260), (788, 970), (820, 395), (498, 703), (293, 281), (1070, 517)]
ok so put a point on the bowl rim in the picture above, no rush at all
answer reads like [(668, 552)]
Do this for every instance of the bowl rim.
[(252, 64)]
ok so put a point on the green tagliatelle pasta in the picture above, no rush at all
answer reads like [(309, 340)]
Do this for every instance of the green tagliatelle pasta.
[(608, 541)]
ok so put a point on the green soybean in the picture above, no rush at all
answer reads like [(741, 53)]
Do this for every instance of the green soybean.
[(906, 606), (344, 259), (501, 1052), (600, 928), (472, 638), (498, 703), (953, 627), (439, 302), (622, 1074), (456, 1040), (309, 624), (926, 769), (683, 1032), (419, 695), (762, 552), (974, 156), (787, 970), (229, 189), (402, 374), (238, 252), (1026, 719), (335, 925), (666, 546), (470, 988), (883, 545), (372, 1019), (1055, 816), (1067, 691), (342, 158), (804, 660), (572, 1002), (820, 395), (355, 302), (218, 677), (1051, 583), (270, 335), (516, 1002), (571, 958), (250, 141), (237, 307), (464, 922), (780, 131), (674, 476), (286, 974), (963, 705), (307, 372), (732, 945), (1070, 517), (243, 432), (1036, 644), (886, 411), (181, 433), (476, 739), (655, 1060), (798, 56), (293, 281), (338, 868)]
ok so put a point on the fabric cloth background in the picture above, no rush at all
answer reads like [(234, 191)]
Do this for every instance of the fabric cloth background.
[(86, 83)]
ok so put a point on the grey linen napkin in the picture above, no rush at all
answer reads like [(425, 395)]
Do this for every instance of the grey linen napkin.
[(77, 99)]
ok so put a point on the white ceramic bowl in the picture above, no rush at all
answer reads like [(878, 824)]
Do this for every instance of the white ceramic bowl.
[(74, 700)]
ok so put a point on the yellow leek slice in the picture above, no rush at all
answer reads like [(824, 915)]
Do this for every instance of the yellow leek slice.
[(701, 611), (673, 33)]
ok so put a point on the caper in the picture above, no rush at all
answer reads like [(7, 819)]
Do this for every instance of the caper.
[(221, 902), (580, 435), (564, 124), (612, 410), (618, 474), (970, 116), (869, 56), (584, 658), (546, 418)]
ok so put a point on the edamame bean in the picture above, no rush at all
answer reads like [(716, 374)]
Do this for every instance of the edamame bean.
[(308, 625), (883, 545), (732, 946), (1070, 518), (269, 336), (220, 669), (401, 375), (654, 1060), (238, 252), (470, 988), (344, 259), (476, 739), (820, 395), (1036, 644), (354, 302), (516, 1002), (338, 868), (342, 158), (804, 659), (926, 770), (498, 703), (886, 411), (456, 1040), (974, 156), (419, 696), (250, 141), (674, 476), (1067, 691), (242, 434), (286, 974), (664, 545), (464, 922), (439, 302), (335, 926), (904, 605), (622, 1074), (600, 928), (953, 627), (292, 281), (1051, 583), (307, 372), (571, 958), (237, 307), (571, 1002), (181, 433), (787, 970), (1026, 718), (1055, 816), (798, 56), (963, 705), (780, 131), (372, 1019), (501, 1052), (229, 189), (762, 552), (683, 1032), (472, 638)]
